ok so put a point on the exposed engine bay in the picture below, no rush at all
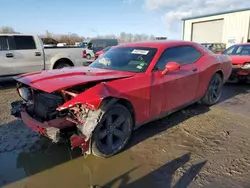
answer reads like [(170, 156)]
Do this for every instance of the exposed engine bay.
[(43, 107)]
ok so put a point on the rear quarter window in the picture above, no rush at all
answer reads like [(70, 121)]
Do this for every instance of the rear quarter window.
[(205, 49), (24, 42)]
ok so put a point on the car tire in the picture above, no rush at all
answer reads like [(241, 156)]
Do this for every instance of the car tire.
[(116, 124), (214, 90), (62, 65), (88, 56)]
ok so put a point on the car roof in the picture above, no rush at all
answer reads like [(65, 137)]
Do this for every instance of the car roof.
[(157, 44), (211, 43), (242, 44)]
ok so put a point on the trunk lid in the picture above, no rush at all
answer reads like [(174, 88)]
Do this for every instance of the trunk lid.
[(240, 59)]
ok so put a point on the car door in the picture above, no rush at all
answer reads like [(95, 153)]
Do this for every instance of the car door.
[(6, 57), (178, 88), (28, 56)]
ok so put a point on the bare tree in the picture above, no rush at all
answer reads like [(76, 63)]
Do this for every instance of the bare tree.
[(139, 37), (69, 39), (145, 37), (128, 37), (48, 34), (7, 30), (109, 36), (72, 38), (152, 37), (122, 37)]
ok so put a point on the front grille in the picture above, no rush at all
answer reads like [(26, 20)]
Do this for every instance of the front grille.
[(46, 105)]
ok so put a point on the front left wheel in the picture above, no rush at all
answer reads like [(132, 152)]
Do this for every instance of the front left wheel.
[(112, 132)]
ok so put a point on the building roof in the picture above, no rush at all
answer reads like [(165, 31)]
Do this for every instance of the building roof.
[(215, 14)]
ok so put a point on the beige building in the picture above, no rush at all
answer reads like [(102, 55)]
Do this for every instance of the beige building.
[(226, 27)]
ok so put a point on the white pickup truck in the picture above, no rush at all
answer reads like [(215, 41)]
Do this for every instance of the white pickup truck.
[(25, 53)]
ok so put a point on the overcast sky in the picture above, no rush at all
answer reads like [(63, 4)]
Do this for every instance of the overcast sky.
[(92, 17)]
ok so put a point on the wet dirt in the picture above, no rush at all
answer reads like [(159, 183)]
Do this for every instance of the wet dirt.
[(197, 146)]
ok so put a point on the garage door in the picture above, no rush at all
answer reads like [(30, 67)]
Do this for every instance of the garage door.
[(209, 31)]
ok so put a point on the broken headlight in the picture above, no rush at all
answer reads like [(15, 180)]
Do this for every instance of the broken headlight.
[(24, 93), (246, 66)]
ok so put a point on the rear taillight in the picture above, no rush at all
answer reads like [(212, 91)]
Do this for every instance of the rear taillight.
[(84, 54)]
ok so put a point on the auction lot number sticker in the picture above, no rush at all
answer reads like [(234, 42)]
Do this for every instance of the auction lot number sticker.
[(140, 52)]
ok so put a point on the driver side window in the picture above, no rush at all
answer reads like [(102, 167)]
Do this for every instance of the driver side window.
[(3, 43), (180, 54)]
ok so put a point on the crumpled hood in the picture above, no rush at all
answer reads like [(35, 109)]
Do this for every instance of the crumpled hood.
[(240, 59), (53, 80)]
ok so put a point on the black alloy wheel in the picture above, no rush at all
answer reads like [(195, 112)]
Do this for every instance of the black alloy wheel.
[(113, 131), (214, 91)]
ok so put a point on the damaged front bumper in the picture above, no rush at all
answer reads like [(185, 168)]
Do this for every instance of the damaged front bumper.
[(239, 74), (48, 129), (19, 111)]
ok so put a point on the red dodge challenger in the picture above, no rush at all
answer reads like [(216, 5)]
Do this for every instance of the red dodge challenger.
[(103, 51), (98, 106), (240, 54)]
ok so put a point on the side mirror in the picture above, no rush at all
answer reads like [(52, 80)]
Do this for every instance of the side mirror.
[(171, 66)]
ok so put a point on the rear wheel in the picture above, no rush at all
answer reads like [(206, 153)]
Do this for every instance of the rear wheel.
[(88, 56), (214, 90), (62, 64), (113, 131)]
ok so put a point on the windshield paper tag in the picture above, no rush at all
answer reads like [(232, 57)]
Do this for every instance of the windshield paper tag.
[(104, 61), (141, 52), (139, 67)]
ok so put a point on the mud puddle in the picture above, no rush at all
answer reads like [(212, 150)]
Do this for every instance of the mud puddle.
[(31, 170), (60, 167), (32, 161)]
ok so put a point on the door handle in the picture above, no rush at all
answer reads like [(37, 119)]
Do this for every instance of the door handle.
[(38, 54), (9, 55), (195, 69)]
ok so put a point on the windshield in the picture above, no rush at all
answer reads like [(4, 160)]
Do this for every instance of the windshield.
[(238, 50), (129, 59), (106, 49)]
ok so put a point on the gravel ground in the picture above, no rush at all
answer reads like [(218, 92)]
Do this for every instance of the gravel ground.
[(195, 147)]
